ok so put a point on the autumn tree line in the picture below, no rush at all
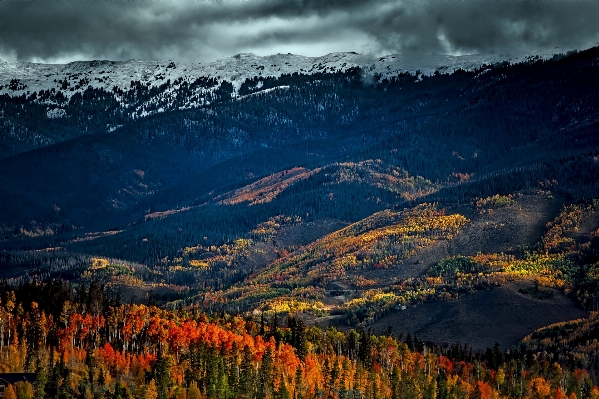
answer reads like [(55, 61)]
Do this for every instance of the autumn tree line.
[(82, 343)]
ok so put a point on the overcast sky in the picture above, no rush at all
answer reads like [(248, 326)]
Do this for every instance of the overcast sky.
[(204, 30)]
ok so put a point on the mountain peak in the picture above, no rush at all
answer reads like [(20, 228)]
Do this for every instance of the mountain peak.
[(107, 74)]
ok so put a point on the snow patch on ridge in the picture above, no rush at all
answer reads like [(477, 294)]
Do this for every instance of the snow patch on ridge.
[(56, 113), (77, 76), (165, 80)]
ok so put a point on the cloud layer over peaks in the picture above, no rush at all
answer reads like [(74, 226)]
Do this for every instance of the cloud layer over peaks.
[(203, 30)]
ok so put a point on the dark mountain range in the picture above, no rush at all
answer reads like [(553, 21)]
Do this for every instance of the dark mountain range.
[(538, 117)]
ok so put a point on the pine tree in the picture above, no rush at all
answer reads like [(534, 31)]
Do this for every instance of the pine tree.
[(223, 379), (40, 382), (299, 384), (283, 392), (365, 348), (233, 367), (122, 391), (395, 383), (160, 373), (265, 375), (246, 377), (212, 374)]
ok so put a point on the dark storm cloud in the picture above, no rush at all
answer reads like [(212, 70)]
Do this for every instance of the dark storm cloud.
[(496, 26), (201, 30)]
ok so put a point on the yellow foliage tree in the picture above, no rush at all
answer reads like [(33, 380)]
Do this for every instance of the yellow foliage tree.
[(24, 390), (194, 392), (151, 390), (540, 388)]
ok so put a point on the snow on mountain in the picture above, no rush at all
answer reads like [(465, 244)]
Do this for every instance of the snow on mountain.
[(27, 78), (30, 77)]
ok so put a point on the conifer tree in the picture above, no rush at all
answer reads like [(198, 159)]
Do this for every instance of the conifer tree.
[(265, 375), (247, 374)]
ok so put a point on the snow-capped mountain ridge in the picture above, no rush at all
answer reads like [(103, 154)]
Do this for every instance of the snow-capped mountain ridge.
[(25, 78), (124, 91)]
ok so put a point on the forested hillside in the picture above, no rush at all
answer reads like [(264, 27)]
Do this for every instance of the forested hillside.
[(84, 344)]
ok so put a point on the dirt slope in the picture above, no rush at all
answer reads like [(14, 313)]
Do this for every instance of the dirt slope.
[(501, 315)]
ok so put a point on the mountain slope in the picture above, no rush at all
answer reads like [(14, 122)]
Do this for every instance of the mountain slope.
[(468, 132), (24, 78), (112, 94)]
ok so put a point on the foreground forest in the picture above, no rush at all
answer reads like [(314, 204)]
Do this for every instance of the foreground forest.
[(421, 237), (84, 345)]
